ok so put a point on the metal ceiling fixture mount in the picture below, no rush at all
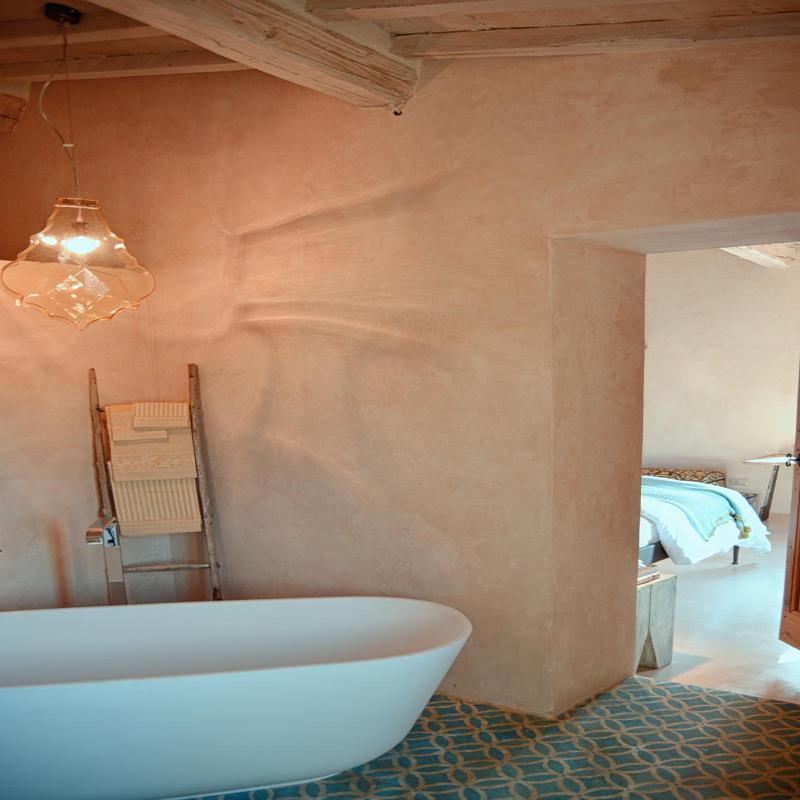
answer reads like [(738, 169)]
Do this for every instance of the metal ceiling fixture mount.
[(65, 15)]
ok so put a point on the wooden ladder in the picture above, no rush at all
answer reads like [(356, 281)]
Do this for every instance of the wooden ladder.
[(105, 530)]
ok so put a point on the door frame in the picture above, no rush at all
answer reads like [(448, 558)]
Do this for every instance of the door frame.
[(621, 479), (790, 617)]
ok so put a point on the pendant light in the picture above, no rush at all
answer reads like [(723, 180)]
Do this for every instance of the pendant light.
[(75, 269)]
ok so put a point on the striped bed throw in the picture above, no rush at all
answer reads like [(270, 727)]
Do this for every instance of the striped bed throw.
[(703, 504)]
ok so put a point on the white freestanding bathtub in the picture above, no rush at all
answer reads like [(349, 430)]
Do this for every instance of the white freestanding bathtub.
[(180, 699)]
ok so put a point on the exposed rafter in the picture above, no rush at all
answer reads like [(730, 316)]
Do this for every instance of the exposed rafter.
[(345, 48), (269, 36), (104, 26), (408, 9), (772, 256), (121, 66), (604, 38)]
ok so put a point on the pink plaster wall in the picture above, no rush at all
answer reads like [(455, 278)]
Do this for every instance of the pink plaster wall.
[(47, 495), (598, 348), (393, 404)]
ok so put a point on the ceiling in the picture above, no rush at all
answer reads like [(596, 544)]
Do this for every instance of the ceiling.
[(532, 14), (103, 44), (771, 256), (366, 52)]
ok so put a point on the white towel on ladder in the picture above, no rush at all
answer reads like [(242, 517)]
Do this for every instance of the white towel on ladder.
[(148, 508), (160, 415), (120, 426)]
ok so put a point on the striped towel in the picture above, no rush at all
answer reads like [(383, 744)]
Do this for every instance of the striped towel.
[(152, 468), (144, 461), (148, 508), (704, 505), (120, 426), (150, 454), (160, 415)]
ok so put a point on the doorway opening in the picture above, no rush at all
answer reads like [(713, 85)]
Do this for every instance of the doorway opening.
[(722, 347), (598, 292)]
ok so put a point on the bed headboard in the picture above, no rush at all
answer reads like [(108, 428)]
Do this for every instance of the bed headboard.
[(714, 476)]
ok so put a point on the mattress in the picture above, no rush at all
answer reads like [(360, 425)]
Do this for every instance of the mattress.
[(666, 523), (647, 533)]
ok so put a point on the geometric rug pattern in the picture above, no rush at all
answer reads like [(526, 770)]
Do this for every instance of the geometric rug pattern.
[(640, 741)]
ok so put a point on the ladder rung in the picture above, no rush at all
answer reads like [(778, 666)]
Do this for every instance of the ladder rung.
[(162, 567)]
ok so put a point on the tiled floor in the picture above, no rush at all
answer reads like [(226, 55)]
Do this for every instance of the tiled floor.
[(644, 740), (726, 631), (641, 741)]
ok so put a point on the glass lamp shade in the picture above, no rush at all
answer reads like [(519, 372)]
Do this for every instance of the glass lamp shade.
[(76, 269)]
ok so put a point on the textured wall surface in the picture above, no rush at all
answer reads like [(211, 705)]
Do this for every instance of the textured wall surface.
[(598, 296), (723, 341), (398, 391), (47, 493)]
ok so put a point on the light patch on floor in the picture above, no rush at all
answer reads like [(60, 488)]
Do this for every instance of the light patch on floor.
[(727, 619)]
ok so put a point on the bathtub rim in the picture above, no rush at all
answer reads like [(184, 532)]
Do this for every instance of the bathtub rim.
[(464, 622)]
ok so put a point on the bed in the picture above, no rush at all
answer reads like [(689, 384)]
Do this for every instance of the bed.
[(666, 531)]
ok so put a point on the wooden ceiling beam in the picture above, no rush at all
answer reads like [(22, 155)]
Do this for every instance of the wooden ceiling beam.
[(104, 26), (772, 256), (602, 38), (121, 66), (410, 9), (269, 36)]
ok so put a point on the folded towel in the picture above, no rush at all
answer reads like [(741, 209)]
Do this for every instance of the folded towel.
[(149, 508), (160, 415), (172, 457), (120, 426)]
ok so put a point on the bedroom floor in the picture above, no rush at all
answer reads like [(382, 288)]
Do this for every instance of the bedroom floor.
[(726, 629)]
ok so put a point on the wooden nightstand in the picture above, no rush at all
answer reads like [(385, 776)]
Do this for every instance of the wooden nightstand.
[(655, 622)]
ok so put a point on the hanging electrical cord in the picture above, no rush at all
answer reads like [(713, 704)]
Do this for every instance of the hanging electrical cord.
[(68, 146)]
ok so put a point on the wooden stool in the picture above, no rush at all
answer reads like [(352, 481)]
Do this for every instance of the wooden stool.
[(655, 622)]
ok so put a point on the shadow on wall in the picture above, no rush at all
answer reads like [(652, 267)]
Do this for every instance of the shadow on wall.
[(56, 540), (367, 412), (333, 396), (386, 202)]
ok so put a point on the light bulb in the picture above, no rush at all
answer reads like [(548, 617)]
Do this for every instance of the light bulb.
[(80, 245), (77, 269)]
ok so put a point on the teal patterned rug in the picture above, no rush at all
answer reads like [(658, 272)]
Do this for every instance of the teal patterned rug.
[(641, 741)]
